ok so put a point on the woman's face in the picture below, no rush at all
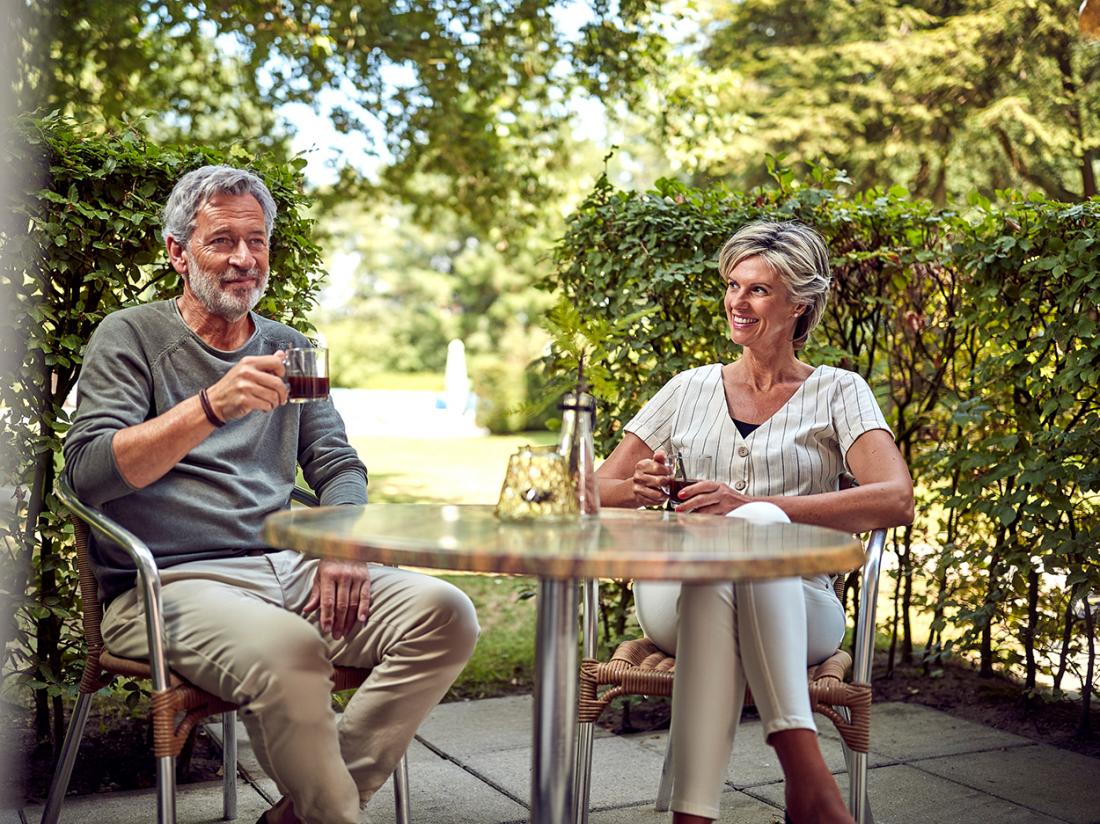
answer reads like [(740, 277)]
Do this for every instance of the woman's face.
[(759, 310)]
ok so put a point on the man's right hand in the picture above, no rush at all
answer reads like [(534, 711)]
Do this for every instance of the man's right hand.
[(650, 479), (255, 384)]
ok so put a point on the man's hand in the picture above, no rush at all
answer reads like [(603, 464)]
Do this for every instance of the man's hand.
[(253, 384), (342, 591), (650, 480)]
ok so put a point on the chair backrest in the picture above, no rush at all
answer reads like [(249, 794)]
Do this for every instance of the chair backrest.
[(91, 609)]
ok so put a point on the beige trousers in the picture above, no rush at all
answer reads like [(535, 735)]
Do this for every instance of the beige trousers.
[(234, 628), (727, 635)]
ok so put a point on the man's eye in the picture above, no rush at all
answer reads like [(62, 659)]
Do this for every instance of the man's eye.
[(220, 241), (258, 243)]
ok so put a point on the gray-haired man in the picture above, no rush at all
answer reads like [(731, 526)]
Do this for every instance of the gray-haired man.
[(183, 434)]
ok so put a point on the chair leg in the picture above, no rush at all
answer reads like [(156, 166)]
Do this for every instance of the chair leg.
[(229, 765), (664, 791), (64, 770), (401, 791), (583, 790), (859, 804), (166, 790)]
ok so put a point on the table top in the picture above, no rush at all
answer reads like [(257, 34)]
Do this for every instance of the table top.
[(619, 543)]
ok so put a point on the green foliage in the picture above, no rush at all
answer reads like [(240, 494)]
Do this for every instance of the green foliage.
[(469, 96), (85, 242), (943, 97), (977, 332)]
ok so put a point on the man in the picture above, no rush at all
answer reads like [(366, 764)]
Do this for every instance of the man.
[(183, 434)]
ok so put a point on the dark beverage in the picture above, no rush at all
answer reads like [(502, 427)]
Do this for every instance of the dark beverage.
[(674, 487), (307, 387)]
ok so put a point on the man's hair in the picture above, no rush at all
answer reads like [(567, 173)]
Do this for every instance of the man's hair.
[(797, 254), (197, 187)]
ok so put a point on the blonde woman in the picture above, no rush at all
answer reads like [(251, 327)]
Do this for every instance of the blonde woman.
[(780, 433)]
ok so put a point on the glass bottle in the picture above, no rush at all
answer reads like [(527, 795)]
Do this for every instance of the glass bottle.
[(577, 416)]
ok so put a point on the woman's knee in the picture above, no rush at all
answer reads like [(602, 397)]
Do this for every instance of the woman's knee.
[(760, 512)]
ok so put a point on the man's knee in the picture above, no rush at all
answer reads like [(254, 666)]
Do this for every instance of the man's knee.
[(448, 611), (283, 661)]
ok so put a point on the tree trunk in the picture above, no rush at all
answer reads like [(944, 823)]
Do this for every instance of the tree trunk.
[(1067, 636), (1028, 635), (1084, 727), (907, 598)]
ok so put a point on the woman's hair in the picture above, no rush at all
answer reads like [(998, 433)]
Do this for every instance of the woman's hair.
[(197, 187), (797, 254)]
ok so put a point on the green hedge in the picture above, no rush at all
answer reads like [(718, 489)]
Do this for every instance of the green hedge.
[(85, 241), (977, 330)]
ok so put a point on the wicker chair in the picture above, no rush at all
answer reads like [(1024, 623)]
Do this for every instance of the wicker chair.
[(177, 705), (639, 668)]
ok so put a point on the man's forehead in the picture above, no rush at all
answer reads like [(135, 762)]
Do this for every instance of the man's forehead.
[(223, 207)]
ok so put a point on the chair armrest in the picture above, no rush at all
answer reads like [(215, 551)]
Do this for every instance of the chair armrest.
[(148, 575), (304, 496), (868, 600)]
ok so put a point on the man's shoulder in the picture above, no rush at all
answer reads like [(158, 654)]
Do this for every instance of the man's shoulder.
[(276, 332), (141, 317)]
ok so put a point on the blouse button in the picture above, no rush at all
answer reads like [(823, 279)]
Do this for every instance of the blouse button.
[(743, 451), (739, 485)]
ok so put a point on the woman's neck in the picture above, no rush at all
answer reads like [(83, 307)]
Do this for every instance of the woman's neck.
[(762, 372)]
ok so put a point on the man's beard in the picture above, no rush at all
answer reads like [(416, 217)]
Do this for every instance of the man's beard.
[(230, 304)]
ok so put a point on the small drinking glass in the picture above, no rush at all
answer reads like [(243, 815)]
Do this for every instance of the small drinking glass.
[(687, 468), (307, 373)]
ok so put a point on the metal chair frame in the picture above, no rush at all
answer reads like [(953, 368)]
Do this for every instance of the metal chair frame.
[(171, 692), (855, 756)]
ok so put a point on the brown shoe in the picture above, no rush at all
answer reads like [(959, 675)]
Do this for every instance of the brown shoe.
[(281, 813)]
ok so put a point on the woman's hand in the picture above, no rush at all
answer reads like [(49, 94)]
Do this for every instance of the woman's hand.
[(711, 498), (649, 483)]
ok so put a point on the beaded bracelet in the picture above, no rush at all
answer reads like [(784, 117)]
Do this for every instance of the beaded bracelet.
[(209, 410)]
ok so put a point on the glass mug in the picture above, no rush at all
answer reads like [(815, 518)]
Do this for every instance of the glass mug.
[(687, 468), (538, 486), (307, 373)]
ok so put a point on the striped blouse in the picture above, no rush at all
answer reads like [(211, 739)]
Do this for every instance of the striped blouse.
[(800, 450)]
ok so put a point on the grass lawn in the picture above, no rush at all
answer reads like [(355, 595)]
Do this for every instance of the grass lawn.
[(466, 471)]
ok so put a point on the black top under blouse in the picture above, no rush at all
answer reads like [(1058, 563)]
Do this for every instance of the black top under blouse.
[(745, 429)]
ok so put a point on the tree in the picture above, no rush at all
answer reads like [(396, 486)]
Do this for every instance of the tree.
[(471, 96), (941, 96)]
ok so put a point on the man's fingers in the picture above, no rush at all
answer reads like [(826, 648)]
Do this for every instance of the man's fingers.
[(340, 623), (314, 599), (364, 600)]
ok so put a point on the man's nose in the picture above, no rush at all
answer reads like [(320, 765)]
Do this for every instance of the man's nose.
[(242, 256)]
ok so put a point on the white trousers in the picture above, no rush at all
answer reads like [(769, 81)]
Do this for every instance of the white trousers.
[(234, 627), (724, 635)]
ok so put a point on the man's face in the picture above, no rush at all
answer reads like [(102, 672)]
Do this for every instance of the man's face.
[(227, 256)]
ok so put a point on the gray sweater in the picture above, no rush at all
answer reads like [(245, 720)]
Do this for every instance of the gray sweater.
[(141, 362)]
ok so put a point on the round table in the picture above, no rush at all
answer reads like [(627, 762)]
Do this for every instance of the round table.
[(635, 544)]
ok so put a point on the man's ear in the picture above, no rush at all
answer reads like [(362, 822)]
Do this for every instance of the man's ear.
[(177, 255)]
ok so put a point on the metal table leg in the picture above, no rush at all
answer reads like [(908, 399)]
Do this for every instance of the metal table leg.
[(555, 703)]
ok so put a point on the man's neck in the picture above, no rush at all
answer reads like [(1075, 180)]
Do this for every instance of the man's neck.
[(220, 333)]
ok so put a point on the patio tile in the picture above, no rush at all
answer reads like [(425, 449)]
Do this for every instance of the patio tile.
[(737, 808), (904, 732), (903, 794), (622, 772), (474, 727), (1054, 781), (195, 804), (441, 792), (753, 762)]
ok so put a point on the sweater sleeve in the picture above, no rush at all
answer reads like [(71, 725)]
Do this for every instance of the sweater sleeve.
[(114, 392), (329, 463)]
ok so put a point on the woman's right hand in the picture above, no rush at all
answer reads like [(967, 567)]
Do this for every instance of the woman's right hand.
[(650, 480)]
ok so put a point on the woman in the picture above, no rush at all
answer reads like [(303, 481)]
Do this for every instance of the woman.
[(781, 433)]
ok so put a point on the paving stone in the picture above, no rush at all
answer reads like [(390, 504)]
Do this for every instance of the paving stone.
[(1054, 781), (195, 804), (474, 727), (9, 816), (753, 762), (903, 732), (440, 791), (736, 808), (623, 772), (903, 794)]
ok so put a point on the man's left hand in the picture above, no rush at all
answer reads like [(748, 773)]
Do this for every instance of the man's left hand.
[(342, 591)]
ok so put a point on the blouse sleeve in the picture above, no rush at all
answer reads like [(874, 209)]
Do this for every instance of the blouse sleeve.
[(653, 423), (855, 411)]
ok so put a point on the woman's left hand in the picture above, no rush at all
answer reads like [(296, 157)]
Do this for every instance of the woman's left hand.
[(711, 498)]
